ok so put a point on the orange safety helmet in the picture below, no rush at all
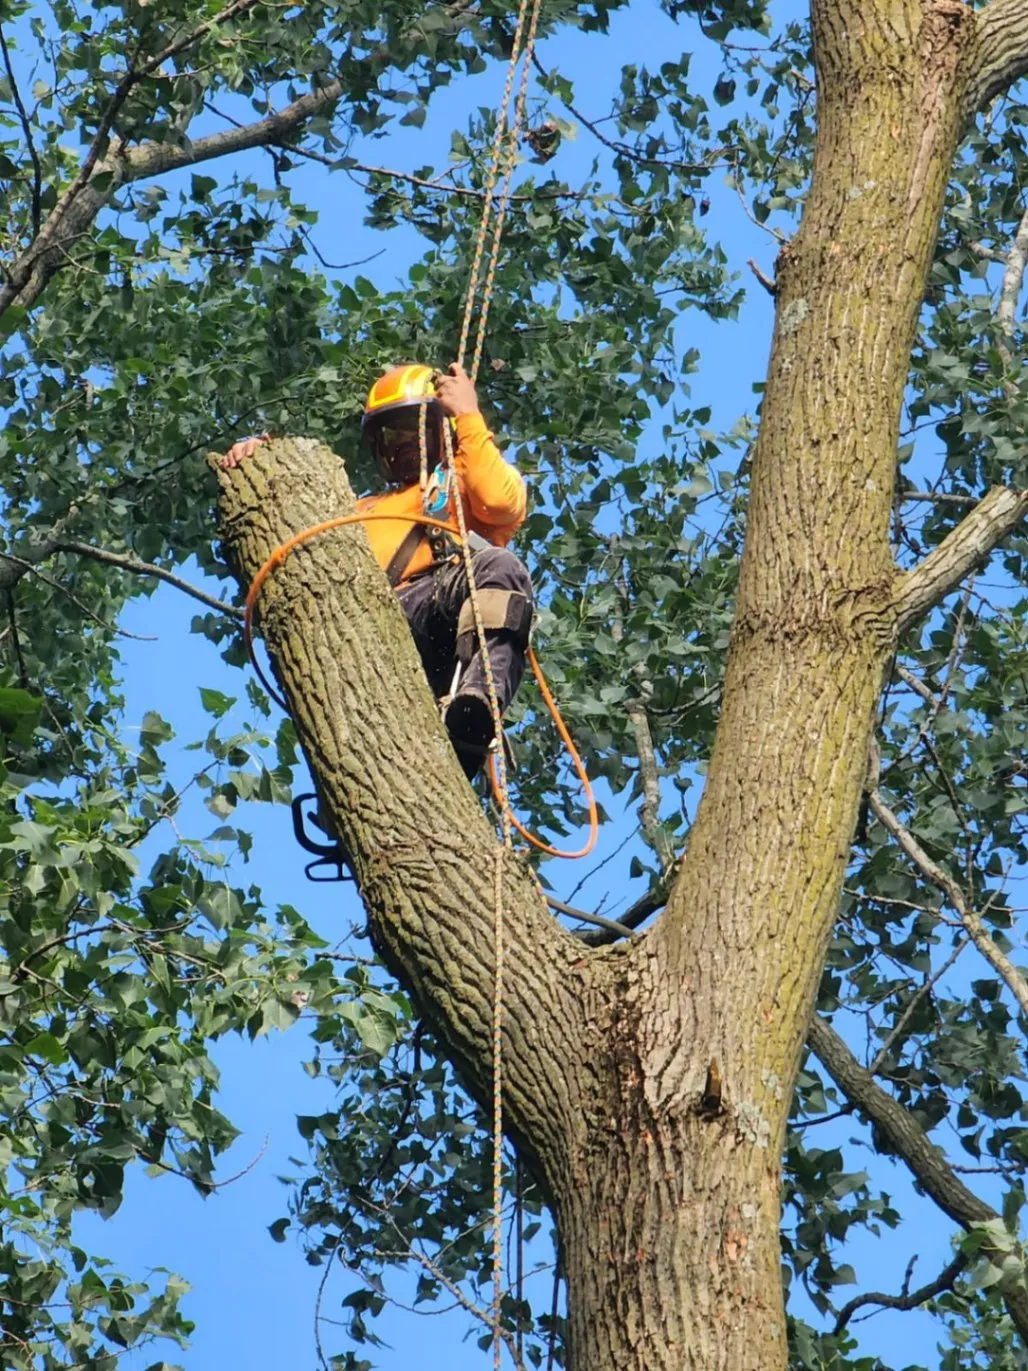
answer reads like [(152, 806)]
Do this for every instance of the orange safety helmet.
[(392, 418)]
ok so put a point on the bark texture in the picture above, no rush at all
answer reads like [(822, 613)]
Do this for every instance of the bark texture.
[(650, 1082)]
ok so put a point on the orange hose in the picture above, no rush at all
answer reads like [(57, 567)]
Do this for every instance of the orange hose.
[(283, 551), (555, 715)]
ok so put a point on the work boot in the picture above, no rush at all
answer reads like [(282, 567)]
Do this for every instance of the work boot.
[(469, 722)]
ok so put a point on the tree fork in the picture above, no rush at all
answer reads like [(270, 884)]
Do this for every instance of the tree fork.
[(650, 1083)]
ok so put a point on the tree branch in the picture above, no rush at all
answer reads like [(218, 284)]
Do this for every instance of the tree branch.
[(970, 918), (1001, 52), (611, 926), (960, 552), (37, 170), (649, 778), (944, 1281), (137, 568), (74, 214), (905, 1136), (50, 234), (899, 1129), (24, 566), (1013, 276), (915, 683)]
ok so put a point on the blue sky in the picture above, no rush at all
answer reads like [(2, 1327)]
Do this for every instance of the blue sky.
[(253, 1300)]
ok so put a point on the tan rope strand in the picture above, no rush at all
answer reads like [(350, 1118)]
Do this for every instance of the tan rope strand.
[(498, 917), (510, 157), (423, 446), (490, 183), (505, 141)]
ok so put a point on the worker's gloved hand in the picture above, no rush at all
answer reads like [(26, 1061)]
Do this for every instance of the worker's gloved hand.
[(456, 392), (246, 447)]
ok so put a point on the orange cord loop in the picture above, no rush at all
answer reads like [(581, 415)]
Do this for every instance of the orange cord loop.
[(284, 550)]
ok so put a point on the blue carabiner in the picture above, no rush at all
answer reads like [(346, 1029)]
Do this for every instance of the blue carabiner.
[(437, 495)]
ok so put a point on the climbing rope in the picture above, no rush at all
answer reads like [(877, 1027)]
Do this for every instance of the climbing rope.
[(499, 769), (504, 146), (503, 153), (507, 148)]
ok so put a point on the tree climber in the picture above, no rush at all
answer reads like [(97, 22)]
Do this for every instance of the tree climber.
[(426, 568)]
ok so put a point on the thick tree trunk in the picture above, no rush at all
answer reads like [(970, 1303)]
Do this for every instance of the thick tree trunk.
[(650, 1083)]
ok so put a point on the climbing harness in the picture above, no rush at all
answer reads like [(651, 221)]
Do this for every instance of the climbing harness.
[(284, 551)]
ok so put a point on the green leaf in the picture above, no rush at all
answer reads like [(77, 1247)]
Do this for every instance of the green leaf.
[(19, 714), (214, 702)]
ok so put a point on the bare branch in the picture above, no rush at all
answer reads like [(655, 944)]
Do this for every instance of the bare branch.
[(936, 497), (618, 930), (137, 568), (944, 1281), (969, 917), (1013, 276), (915, 683), (768, 282), (1001, 52), (639, 912), (897, 1126), (970, 542), (902, 1133), (912, 1004)]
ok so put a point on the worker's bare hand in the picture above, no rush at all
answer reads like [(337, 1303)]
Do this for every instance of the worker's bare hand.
[(456, 392), (246, 447)]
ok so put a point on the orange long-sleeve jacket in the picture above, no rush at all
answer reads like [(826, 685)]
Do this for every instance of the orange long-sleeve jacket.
[(491, 491)]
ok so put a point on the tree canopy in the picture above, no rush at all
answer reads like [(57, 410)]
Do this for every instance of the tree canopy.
[(164, 291)]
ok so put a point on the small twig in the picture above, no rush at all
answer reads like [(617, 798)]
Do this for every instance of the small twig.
[(767, 228), (12, 615), (205, 1185), (912, 1004), (462, 1299), (768, 282), (337, 266), (83, 609), (944, 1281), (969, 917), (137, 568)]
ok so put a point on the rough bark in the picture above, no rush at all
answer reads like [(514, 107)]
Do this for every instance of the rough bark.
[(650, 1082)]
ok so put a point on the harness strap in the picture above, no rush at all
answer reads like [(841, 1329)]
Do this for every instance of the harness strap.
[(402, 557), (500, 609)]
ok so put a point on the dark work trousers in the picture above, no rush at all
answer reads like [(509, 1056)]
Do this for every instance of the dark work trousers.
[(432, 603)]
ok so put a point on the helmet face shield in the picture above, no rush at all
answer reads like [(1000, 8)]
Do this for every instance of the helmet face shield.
[(393, 435)]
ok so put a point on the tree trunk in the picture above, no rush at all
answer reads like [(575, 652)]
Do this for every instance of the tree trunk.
[(650, 1083)]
